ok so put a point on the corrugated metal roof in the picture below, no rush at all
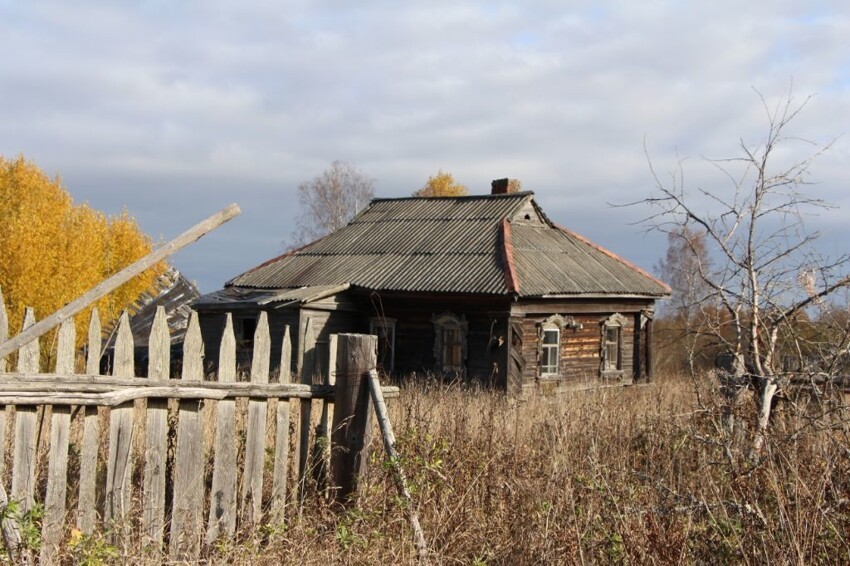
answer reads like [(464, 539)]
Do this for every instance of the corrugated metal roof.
[(550, 261), (235, 296), (450, 245)]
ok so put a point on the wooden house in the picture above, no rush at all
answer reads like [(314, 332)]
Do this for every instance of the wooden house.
[(483, 287)]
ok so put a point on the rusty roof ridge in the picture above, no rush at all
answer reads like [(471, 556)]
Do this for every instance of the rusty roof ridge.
[(511, 279)]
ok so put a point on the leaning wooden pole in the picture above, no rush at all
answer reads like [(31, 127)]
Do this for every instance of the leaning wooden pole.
[(392, 457), (107, 286)]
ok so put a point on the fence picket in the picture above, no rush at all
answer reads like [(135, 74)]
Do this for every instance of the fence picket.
[(156, 437), (57, 478), (120, 460), (86, 503), (323, 439), (4, 334), (251, 497), (306, 371), (26, 438), (4, 331), (281, 447), (222, 519), (186, 514)]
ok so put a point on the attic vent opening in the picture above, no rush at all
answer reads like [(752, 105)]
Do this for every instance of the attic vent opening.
[(528, 217)]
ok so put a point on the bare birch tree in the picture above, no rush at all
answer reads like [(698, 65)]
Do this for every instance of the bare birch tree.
[(766, 272), (330, 200)]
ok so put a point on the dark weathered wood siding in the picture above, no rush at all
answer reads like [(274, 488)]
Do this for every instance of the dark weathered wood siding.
[(486, 339), (502, 341), (580, 360)]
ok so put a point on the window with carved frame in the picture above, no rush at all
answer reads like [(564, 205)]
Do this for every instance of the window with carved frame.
[(612, 345), (450, 342), (549, 345)]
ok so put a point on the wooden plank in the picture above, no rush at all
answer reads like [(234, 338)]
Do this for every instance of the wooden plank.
[(156, 438), (308, 346), (86, 506), (26, 434), (251, 496), (57, 476), (4, 329), (119, 466), (4, 334), (222, 519), (108, 285), (8, 525), (393, 459), (187, 508), (281, 447), (116, 392), (356, 356)]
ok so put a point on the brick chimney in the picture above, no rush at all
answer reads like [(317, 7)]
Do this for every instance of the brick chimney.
[(499, 186)]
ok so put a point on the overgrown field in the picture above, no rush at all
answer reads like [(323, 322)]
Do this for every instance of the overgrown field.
[(638, 475)]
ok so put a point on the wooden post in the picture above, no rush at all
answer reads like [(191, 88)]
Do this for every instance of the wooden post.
[(222, 519), (392, 456), (57, 477), (356, 356), (86, 506), (281, 447), (156, 438), (107, 286), (188, 502), (119, 467), (23, 463), (251, 497)]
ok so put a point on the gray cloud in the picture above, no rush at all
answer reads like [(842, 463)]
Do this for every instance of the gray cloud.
[(176, 109)]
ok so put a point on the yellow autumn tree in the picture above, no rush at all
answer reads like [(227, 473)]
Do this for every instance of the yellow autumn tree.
[(53, 250), (441, 185)]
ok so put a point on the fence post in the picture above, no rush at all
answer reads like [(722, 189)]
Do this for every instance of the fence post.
[(356, 356)]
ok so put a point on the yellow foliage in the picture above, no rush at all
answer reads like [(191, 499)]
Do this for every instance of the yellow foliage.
[(441, 185), (52, 250)]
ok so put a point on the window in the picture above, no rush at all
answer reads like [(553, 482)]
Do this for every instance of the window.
[(450, 342), (549, 333), (384, 329), (612, 344), (549, 358), (245, 329)]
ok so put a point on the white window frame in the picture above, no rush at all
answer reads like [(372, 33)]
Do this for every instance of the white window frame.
[(388, 324), (555, 323), (552, 369)]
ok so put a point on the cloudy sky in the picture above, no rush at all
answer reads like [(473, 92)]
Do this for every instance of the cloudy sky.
[(176, 109)]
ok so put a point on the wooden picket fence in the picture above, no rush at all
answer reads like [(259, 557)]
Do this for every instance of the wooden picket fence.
[(198, 513)]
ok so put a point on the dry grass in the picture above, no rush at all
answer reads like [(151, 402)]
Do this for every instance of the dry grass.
[(640, 475), (616, 475)]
